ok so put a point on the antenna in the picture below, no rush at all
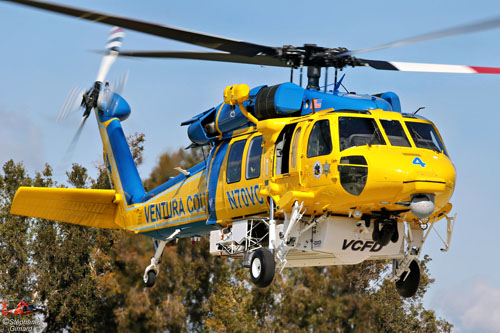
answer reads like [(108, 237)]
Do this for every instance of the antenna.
[(326, 77), (339, 83), (420, 108), (313, 75)]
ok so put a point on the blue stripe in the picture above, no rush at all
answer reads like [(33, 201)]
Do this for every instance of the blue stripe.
[(125, 165), (199, 228), (213, 179), (115, 39)]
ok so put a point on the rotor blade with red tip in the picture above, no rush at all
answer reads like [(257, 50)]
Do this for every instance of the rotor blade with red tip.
[(433, 68), (191, 37)]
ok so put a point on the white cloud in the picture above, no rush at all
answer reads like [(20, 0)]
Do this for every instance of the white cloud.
[(473, 306)]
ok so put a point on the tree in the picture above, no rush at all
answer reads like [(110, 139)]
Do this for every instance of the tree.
[(15, 271), (168, 161), (64, 257)]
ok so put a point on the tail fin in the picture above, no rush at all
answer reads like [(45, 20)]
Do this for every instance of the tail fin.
[(111, 109), (117, 155)]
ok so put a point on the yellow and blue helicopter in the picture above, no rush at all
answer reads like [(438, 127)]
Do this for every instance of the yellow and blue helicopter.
[(295, 176)]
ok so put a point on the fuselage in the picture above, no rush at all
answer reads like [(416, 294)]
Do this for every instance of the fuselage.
[(335, 161), (307, 146)]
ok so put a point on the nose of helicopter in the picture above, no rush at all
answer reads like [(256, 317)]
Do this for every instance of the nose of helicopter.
[(422, 179)]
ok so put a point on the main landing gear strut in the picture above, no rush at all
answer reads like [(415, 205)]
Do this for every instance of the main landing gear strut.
[(153, 269), (262, 265)]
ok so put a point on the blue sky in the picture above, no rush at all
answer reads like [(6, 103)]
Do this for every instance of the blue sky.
[(44, 55)]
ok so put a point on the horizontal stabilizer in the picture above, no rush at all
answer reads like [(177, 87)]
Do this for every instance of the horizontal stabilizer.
[(93, 208)]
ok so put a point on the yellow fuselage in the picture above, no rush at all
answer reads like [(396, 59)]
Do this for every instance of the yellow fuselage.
[(393, 174)]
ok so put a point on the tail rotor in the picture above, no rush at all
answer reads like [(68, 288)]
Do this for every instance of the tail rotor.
[(89, 99)]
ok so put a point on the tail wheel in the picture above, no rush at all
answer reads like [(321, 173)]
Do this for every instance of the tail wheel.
[(151, 279), (262, 268), (407, 285)]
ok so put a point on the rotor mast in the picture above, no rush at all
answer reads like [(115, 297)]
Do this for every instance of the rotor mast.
[(315, 57), (313, 75)]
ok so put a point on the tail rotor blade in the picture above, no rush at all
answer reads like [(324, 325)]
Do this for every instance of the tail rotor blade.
[(64, 110), (68, 155), (72, 103), (119, 85), (113, 45)]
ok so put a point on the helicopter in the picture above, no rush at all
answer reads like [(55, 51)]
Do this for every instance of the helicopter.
[(295, 177), (22, 308)]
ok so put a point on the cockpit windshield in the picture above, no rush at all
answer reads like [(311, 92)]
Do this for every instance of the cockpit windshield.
[(395, 133), (358, 131), (424, 135)]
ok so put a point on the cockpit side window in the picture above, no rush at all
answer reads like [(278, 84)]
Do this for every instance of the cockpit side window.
[(424, 135), (320, 139), (358, 131), (254, 158), (234, 162), (395, 133)]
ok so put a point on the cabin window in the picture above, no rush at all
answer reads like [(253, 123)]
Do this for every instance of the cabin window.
[(295, 148), (283, 144), (320, 140), (234, 162), (358, 131), (425, 136), (395, 133), (254, 158)]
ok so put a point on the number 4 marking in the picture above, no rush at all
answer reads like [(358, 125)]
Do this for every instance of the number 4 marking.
[(418, 161)]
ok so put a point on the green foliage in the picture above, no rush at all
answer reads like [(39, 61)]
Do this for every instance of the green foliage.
[(15, 270), (91, 280), (168, 161)]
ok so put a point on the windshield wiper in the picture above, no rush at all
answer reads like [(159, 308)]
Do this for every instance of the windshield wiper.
[(375, 135), (419, 139)]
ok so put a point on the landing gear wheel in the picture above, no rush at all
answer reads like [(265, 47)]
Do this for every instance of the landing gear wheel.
[(262, 268), (408, 287), (386, 234), (151, 279)]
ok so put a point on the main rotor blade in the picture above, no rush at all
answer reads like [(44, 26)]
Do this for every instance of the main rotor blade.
[(190, 37), (212, 56), (453, 31), (423, 67)]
